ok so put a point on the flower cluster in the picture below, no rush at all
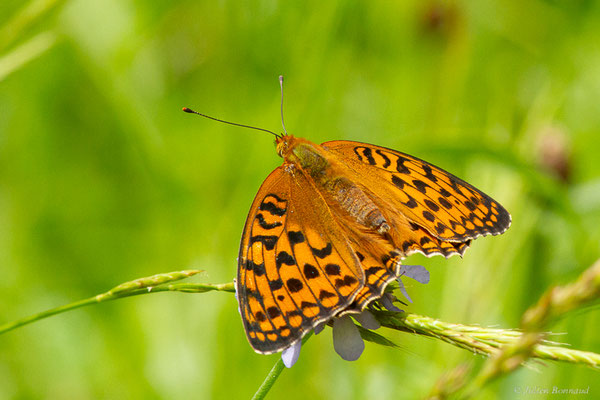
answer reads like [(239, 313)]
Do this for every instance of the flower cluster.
[(347, 341)]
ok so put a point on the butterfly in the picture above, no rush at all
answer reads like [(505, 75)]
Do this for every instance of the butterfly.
[(327, 231)]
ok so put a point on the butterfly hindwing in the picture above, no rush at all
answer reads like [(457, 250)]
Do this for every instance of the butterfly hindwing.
[(296, 268), (446, 206)]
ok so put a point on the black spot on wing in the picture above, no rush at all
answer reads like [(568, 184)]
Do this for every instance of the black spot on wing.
[(445, 193), (294, 313), (284, 257), (420, 185), (445, 203), (347, 281), (386, 160), (400, 167), (294, 285), (258, 269), (432, 206), (295, 237), (470, 205), (440, 228), (310, 271), (399, 183), (332, 269), (272, 208), (428, 216), (267, 241), (276, 284), (372, 270), (357, 152), (264, 224), (308, 304), (429, 173), (369, 156), (411, 203), (260, 316), (273, 312), (360, 256), (325, 294), (322, 253)]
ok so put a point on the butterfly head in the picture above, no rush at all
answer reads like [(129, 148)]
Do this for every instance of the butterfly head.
[(284, 144)]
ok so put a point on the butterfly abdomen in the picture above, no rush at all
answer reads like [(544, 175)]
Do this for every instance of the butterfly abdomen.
[(355, 203)]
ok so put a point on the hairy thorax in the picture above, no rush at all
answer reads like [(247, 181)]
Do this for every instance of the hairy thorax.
[(337, 189)]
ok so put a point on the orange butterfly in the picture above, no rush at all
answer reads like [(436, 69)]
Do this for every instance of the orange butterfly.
[(327, 230)]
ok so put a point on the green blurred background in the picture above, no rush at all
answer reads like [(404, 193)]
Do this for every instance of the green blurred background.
[(103, 179)]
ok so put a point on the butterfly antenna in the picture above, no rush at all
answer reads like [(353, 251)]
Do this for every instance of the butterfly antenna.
[(281, 86), (189, 110)]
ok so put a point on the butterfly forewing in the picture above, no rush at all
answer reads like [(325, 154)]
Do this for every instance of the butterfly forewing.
[(296, 268), (446, 206)]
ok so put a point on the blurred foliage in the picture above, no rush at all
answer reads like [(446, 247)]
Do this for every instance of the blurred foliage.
[(103, 179)]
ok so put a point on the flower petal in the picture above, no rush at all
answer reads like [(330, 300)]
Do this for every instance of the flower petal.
[(387, 300), (403, 290), (416, 272), (346, 339), (290, 355), (367, 320)]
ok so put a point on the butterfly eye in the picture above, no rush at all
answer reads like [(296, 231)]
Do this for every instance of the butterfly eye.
[(281, 146)]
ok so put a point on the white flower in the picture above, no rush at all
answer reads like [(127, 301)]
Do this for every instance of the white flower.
[(403, 290), (346, 339), (387, 301), (290, 355), (367, 320), (416, 272)]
